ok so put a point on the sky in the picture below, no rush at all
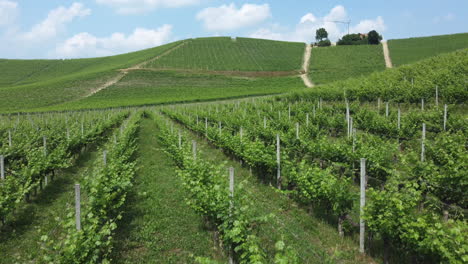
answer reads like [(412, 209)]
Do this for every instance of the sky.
[(51, 29)]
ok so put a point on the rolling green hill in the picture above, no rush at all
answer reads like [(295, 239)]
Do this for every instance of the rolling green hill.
[(205, 65), (23, 72), (240, 54), (329, 64), (145, 87), (194, 70), (404, 51)]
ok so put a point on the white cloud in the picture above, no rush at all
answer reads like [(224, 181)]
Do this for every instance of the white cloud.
[(367, 25), (86, 45), (446, 18), (305, 30), (229, 17), (8, 12), (55, 22), (144, 6)]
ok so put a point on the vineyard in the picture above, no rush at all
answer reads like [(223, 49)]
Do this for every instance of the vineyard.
[(343, 62), (413, 162), (369, 166), (150, 87), (405, 51), (239, 54)]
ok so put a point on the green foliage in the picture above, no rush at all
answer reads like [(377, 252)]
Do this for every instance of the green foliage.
[(106, 191), (324, 43), (447, 71), (209, 195), (374, 38), (343, 62), (27, 162), (240, 54), (406, 51), (318, 164), (321, 34), (353, 39)]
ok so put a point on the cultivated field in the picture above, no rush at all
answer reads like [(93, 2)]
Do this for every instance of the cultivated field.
[(343, 62), (243, 54), (370, 169), (162, 87), (404, 51)]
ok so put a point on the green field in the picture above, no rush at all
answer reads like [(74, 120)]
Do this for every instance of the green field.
[(241, 54), (331, 64), (155, 87), (404, 51)]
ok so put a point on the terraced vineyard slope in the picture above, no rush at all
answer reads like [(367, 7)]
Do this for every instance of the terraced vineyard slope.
[(404, 51)]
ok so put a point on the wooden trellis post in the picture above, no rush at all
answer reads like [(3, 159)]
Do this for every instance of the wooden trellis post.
[(77, 207), (445, 117), (194, 149), (2, 167), (362, 226), (423, 139), (278, 162)]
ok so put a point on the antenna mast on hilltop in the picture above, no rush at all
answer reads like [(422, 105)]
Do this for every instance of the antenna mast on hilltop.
[(342, 22)]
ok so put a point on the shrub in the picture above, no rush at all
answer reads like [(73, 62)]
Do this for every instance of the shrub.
[(374, 37), (324, 43)]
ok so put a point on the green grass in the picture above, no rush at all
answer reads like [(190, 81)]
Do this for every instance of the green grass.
[(342, 62), (156, 87), (404, 51), (158, 226), (243, 54)]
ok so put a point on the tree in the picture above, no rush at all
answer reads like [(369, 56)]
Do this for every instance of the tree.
[(321, 34), (374, 37), (353, 39)]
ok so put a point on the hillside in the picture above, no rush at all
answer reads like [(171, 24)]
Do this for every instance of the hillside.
[(329, 64), (195, 70), (404, 51), (408, 83), (146, 87), (240, 54), (245, 65)]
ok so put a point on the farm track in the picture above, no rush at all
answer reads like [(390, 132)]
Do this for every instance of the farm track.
[(20, 239), (311, 237), (386, 52), (158, 226), (305, 66)]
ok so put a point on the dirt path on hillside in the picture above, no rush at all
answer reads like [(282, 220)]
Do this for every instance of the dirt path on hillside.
[(386, 52), (123, 72), (305, 67)]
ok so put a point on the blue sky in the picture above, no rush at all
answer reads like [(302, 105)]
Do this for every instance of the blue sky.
[(73, 29)]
